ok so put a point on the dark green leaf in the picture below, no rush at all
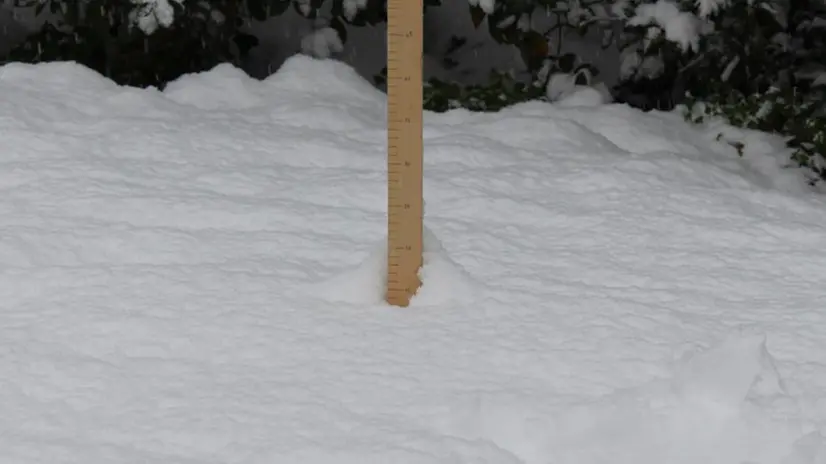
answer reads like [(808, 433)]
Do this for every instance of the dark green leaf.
[(257, 9), (337, 24), (337, 8), (566, 62), (607, 38), (477, 15), (456, 43), (245, 42), (381, 78), (375, 12), (278, 7), (534, 49)]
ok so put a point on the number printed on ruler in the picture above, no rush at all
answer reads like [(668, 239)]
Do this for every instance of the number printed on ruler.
[(404, 143)]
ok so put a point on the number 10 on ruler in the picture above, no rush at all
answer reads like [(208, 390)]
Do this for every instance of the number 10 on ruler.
[(404, 149)]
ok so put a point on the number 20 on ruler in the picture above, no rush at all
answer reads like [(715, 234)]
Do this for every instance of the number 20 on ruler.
[(404, 154)]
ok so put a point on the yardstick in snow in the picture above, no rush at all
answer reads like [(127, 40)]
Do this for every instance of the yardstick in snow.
[(404, 149)]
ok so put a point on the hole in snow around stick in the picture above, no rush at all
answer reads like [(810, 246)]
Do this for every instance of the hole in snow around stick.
[(443, 280)]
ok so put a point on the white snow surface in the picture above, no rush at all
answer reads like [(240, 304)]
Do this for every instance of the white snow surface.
[(195, 276)]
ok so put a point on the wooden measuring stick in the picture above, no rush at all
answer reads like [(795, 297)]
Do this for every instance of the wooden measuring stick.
[(404, 149)]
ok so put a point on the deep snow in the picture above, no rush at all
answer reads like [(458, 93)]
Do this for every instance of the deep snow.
[(194, 276)]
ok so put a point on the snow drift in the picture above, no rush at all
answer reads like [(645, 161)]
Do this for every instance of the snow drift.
[(194, 276)]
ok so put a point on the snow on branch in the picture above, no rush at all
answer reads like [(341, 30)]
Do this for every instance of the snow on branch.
[(680, 26), (148, 15)]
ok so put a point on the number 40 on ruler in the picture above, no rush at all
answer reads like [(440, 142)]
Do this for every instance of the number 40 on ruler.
[(404, 149)]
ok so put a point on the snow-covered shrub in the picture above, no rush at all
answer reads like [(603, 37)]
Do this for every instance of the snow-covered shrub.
[(512, 22), (138, 42), (501, 90), (801, 117), (758, 64), (150, 42), (323, 42)]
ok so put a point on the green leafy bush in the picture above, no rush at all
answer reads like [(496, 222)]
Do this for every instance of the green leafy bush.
[(759, 65), (799, 117), (138, 44)]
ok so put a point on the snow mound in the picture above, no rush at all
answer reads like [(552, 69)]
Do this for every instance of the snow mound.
[(56, 76), (183, 279), (227, 87), (223, 87), (726, 375), (584, 96), (443, 281), (708, 412), (328, 81)]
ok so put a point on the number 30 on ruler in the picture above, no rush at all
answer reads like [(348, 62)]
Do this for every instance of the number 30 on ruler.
[(404, 149)]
